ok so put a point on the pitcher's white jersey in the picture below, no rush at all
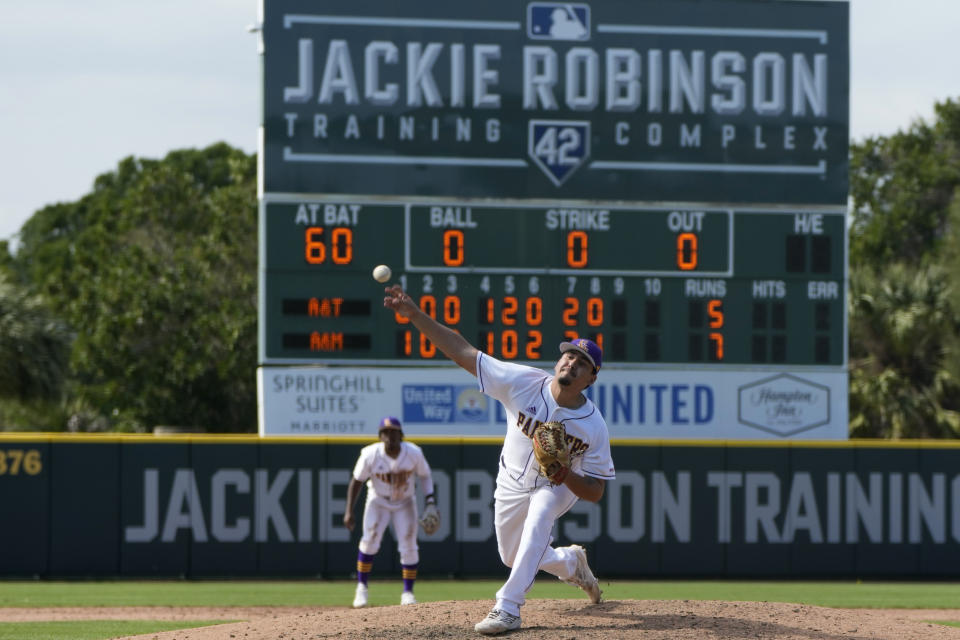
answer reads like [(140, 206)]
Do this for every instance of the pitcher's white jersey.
[(525, 394), (393, 478)]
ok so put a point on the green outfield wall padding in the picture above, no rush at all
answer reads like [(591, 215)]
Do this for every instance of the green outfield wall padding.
[(247, 507)]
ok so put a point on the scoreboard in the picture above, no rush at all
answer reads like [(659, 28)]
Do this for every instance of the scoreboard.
[(651, 285), (665, 177)]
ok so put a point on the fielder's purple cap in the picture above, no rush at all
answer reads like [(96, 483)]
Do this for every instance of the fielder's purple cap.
[(390, 423), (588, 348)]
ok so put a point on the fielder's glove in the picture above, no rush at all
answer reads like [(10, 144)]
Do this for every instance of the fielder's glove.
[(431, 518), (550, 450)]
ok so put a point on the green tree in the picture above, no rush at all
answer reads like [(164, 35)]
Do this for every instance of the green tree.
[(33, 347), (904, 261), (900, 324), (901, 188), (155, 271)]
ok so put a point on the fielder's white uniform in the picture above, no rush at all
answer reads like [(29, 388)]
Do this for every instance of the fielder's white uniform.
[(526, 506), (391, 497)]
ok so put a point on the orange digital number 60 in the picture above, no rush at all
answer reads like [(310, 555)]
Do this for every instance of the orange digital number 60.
[(341, 245)]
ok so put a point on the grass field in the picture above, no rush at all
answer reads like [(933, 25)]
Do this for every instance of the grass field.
[(89, 629), (844, 594), (882, 595)]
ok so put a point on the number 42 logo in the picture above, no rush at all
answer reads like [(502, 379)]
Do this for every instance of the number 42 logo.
[(559, 147)]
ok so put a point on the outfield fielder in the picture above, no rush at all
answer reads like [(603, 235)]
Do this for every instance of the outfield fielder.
[(388, 467), (526, 505)]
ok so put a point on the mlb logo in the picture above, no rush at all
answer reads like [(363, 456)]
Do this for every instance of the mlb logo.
[(558, 147), (558, 21)]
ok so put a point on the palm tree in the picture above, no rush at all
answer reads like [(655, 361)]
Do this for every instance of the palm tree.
[(33, 347), (901, 322)]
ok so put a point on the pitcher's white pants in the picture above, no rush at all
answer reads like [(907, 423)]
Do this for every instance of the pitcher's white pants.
[(524, 521), (377, 514)]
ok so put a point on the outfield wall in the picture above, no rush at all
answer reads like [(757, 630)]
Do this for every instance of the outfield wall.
[(242, 506)]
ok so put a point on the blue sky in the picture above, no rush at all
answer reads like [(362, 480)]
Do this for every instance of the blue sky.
[(85, 84)]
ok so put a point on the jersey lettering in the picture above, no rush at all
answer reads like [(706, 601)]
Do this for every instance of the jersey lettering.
[(576, 446), (395, 479), (526, 424)]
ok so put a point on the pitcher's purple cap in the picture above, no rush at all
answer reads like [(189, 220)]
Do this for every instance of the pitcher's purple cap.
[(390, 423), (588, 348)]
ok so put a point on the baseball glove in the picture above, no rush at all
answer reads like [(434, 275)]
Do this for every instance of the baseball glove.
[(550, 450), (431, 518)]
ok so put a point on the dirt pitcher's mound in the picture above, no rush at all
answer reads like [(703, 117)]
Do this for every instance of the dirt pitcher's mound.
[(579, 620)]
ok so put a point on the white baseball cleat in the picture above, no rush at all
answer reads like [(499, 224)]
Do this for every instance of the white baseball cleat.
[(497, 621), (360, 599), (407, 597), (583, 577)]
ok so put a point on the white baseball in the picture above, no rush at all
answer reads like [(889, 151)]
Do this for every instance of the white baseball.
[(381, 273)]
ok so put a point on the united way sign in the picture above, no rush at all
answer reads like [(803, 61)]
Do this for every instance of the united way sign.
[(669, 100)]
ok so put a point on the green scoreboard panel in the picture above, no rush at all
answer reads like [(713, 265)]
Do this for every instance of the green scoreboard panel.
[(666, 177), (661, 101), (650, 284)]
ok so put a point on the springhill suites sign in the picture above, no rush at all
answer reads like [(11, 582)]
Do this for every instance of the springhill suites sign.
[(731, 101)]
